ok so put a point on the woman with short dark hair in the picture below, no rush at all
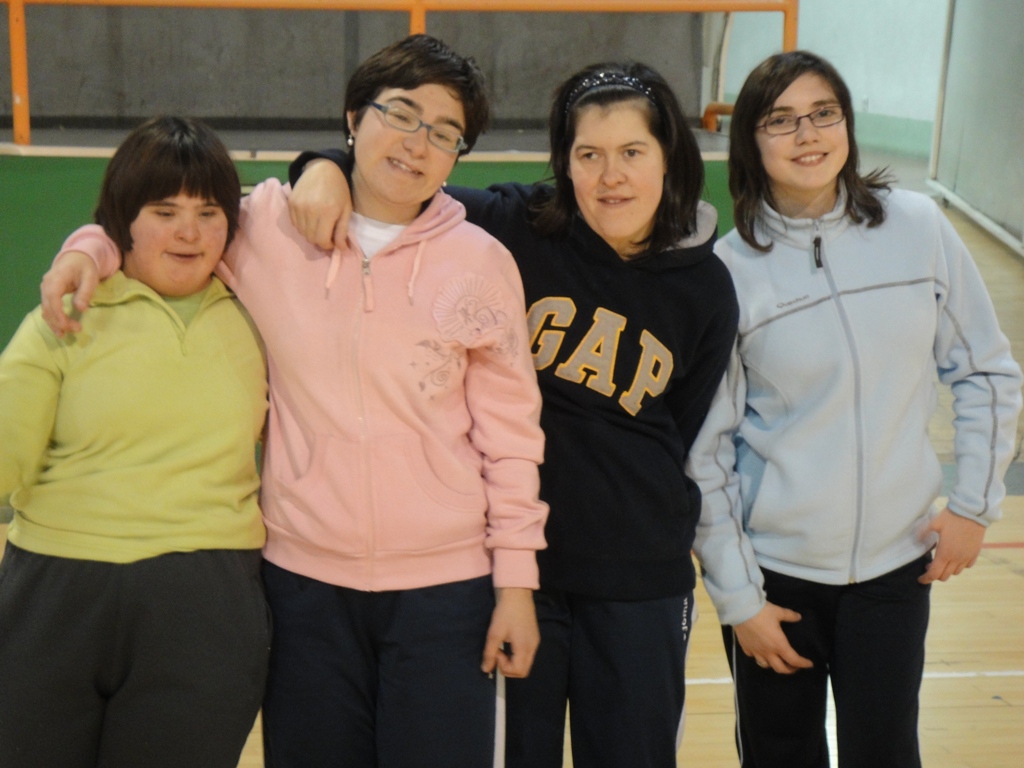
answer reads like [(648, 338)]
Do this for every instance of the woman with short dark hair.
[(133, 626)]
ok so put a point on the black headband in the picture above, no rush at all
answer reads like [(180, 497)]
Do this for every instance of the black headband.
[(602, 79)]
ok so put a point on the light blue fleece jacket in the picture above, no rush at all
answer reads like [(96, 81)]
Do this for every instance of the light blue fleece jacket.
[(815, 460)]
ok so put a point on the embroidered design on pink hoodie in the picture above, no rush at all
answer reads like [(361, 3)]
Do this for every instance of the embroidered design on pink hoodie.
[(442, 364), (469, 312), (468, 309)]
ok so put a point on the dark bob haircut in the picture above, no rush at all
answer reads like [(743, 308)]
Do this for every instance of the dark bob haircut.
[(748, 182), (422, 60), (162, 158), (614, 83)]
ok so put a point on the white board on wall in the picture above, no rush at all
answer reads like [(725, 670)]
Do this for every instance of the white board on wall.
[(978, 155)]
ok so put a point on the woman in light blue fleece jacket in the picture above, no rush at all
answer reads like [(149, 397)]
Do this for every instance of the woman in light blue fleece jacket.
[(819, 535)]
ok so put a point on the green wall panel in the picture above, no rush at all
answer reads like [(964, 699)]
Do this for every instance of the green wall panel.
[(42, 199)]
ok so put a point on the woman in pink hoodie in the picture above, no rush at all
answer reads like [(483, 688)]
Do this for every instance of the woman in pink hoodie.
[(400, 486)]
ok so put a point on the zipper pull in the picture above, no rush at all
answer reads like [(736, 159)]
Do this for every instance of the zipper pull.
[(367, 286), (817, 251)]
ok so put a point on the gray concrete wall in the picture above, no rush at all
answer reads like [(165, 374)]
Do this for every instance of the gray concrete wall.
[(260, 67)]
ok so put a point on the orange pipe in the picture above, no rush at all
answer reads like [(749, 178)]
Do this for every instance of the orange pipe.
[(417, 10), (19, 71), (418, 18), (790, 19), (614, 6), (712, 112), (241, 5)]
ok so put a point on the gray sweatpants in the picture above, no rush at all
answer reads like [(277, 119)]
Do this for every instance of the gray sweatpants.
[(160, 662)]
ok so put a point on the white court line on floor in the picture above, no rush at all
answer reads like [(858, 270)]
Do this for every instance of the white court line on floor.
[(927, 676)]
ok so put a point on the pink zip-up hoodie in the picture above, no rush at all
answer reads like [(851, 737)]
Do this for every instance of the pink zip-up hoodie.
[(404, 434)]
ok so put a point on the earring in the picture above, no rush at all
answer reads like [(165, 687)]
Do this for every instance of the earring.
[(350, 140)]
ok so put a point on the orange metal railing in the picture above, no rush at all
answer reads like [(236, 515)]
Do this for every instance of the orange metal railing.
[(417, 10)]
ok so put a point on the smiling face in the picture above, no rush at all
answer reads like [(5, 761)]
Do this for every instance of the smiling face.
[(395, 172), (176, 243), (802, 167), (617, 168)]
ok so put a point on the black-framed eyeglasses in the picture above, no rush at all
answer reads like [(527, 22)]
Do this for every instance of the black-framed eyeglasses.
[(403, 120), (779, 125)]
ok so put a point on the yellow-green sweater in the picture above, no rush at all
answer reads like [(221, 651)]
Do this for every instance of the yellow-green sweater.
[(135, 437)]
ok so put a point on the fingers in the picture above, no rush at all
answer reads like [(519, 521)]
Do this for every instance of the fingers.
[(323, 233), (317, 226), (341, 229), (86, 288), (513, 635), (296, 214), (942, 569), (784, 661), (72, 272), (790, 661), (504, 658), (761, 637), (932, 573), (313, 226), (320, 204), (490, 658), (58, 321), (513, 663), (958, 546), (513, 656)]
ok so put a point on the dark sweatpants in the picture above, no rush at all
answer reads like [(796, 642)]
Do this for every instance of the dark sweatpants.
[(621, 667), (155, 663), (378, 679), (869, 639)]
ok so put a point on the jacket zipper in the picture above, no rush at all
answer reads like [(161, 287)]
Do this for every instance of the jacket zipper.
[(858, 427), (364, 431), (367, 286)]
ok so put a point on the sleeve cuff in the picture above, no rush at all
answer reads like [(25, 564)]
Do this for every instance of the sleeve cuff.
[(516, 568)]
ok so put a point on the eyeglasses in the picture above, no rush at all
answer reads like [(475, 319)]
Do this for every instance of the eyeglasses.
[(404, 120), (780, 125)]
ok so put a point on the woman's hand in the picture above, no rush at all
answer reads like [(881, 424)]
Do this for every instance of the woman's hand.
[(762, 638), (958, 548), (73, 272), (513, 636), (320, 204)]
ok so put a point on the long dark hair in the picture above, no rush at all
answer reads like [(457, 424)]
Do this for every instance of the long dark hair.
[(748, 182), (612, 83)]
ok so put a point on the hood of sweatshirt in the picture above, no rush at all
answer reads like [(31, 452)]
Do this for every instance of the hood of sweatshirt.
[(687, 252), (440, 215)]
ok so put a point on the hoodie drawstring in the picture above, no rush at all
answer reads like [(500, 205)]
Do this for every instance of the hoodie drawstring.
[(415, 268), (335, 265), (332, 270)]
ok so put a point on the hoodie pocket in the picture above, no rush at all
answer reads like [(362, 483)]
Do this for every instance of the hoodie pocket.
[(329, 504), (425, 500)]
